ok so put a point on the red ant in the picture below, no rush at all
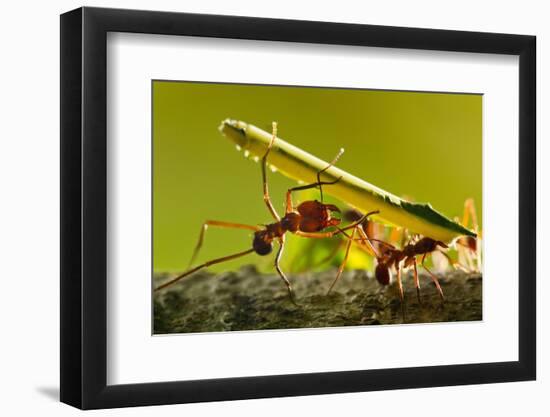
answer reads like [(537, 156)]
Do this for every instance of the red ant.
[(309, 219), (389, 255)]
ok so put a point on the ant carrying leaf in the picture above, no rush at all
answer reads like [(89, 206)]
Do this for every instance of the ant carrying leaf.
[(310, 219)]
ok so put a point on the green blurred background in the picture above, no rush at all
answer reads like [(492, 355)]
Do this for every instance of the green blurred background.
[(426, 146)]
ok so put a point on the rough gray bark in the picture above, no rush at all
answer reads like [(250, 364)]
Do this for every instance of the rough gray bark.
[(249, 300)]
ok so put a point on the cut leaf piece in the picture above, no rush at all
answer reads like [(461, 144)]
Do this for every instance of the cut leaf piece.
[(300, 165)]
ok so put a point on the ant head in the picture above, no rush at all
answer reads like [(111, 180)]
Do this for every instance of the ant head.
[(262, 243)]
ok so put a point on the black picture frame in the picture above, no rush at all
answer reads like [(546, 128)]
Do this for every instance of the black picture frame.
[(84, 207)]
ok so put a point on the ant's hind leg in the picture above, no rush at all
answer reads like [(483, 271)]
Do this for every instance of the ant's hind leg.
[(434, 278), (343, 264), (267, 199), (400, 287), (201, 266), (281, 273), (225, 225)]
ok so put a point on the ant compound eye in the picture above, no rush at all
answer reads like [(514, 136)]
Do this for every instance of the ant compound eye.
[(262, 246), (383, 274)]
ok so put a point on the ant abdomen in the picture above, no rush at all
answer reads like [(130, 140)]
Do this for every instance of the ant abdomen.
[(262, 243)]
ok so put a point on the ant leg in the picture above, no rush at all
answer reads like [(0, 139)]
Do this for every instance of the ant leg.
[(319, 183), (317, 235), (281, 273), (382, 243), (343, 264), (216, 223), (332, 163), (434, 278), (366, 239), (400, 287), (267, 199), (416, 282), (204, 265), (289, 205)]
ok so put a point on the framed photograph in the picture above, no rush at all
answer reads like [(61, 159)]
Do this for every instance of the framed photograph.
[(257, 208)]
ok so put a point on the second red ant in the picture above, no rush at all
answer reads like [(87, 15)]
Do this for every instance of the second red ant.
[(388, 256)]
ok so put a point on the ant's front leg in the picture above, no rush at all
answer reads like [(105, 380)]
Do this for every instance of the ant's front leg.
[(319, 183), (289, 204), (434, 278), (400, 288), (267, 199)]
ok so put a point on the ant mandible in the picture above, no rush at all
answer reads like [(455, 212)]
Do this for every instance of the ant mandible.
[(309, 220)]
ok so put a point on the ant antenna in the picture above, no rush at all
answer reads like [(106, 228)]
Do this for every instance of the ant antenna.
[(340, 152)]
